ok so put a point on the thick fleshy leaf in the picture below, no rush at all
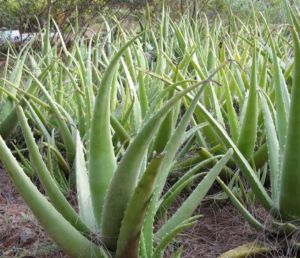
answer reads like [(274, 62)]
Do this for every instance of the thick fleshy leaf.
[(240, 160), (123, 183), (75, 245), (102, 160), (86, 211), (289, 204), (247, 136), (51, 188), (128, 240), (273, 151), (190, 205)]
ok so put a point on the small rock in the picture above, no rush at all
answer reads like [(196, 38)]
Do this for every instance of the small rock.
[(26, 236)]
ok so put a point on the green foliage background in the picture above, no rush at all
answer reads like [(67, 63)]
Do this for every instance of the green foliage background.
[(23, 14)]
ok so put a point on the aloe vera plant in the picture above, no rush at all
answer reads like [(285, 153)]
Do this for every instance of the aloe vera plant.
[(281, 128), (113, 196), (114, 122)]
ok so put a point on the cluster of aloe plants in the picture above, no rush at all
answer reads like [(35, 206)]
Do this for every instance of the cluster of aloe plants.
[(114, 116)]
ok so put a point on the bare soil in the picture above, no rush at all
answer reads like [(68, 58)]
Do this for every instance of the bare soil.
[(220, 229)]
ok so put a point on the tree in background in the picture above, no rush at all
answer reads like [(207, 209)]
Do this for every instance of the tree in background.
[(27, 15)]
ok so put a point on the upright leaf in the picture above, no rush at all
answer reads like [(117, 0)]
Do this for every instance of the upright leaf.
[(289, 203), (102, 161)]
